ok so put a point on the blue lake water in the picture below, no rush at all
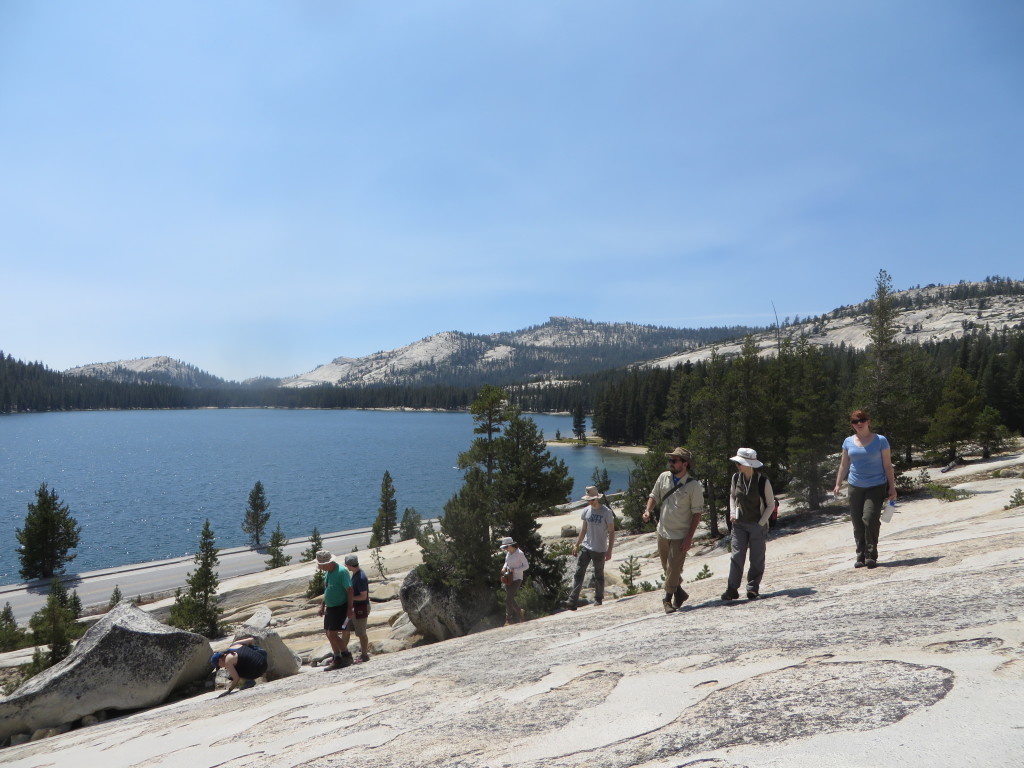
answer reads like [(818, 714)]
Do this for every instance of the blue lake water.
[(141, 483)]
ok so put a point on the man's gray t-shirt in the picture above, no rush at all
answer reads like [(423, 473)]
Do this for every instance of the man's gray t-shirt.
[(598, 521)]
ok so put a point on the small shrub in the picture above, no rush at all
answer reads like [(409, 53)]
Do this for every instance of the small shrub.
[(533, 603), (315, 588), (1017, 500), (378, 563), (561, 548), (705, 573), (630, 570), (945, 493)]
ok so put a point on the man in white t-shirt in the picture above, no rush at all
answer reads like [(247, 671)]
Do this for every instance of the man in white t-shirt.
[(594, 545)]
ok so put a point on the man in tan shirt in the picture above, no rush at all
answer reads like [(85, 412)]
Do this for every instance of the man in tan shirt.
[(681, 498)]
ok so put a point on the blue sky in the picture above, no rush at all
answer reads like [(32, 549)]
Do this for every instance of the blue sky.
[(258, 187)]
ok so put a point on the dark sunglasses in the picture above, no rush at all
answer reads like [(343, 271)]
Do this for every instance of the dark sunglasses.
[(857, 421), (676, 461)]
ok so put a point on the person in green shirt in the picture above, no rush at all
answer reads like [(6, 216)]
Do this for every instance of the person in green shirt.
[(337, 607)]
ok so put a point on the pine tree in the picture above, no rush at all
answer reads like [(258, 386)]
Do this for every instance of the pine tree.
[(953, 423), (275, 548), (579, 422), (711, 439), (55, 624), (315, 587), (528, 483), (75, 604), (383, 529), (459, 555), (916, 387), (749, 405), (315, 545), (256, 514), (115, 598), (490, 412), (409, 528), (812, 438), (510, 479), (882, 377), (989, 432), (12, 636), (196, 610), (49, 533)]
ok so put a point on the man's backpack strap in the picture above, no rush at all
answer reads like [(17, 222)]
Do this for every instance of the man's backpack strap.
[(673, 489)]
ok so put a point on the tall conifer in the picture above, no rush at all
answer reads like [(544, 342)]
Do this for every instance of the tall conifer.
[(48, 535), (197, 610), (257, 514)]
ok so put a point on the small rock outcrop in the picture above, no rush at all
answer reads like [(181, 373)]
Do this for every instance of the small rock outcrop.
[(440, 613), (127, 660)]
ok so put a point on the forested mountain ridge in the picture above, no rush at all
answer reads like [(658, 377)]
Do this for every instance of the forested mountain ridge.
[(560, 348), (150, 370), (563, 347), (930, 314)]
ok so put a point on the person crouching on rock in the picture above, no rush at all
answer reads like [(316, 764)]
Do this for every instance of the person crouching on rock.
[(336, 607), (244, 661), (512, 578)]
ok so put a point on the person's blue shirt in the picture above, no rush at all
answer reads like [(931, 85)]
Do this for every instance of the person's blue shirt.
[(866, 468)]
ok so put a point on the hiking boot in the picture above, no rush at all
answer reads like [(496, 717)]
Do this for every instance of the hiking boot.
[(569, 605), (752, 594), (679, 597), (362, 658), (667, 602), (859, 563), (335, 664), (345, 660), (730, 594), (247, 685), (871, 562)]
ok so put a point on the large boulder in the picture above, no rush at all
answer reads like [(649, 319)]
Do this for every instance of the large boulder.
[(127, 660), (440, 612)]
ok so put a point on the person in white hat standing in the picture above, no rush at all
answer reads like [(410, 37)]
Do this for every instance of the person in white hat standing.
[(512, 578), (751, 501), (594, 545)]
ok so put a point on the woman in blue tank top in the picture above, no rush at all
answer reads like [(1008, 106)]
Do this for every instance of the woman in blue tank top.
[(867, 465)]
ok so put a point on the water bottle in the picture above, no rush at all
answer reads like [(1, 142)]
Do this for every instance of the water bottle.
[(887, 514)]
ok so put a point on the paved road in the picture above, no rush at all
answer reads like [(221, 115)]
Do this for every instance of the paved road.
[(163, 575)]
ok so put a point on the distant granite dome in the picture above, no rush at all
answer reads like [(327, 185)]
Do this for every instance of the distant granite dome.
[(561, 347), (149, 370), (932, 313)]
